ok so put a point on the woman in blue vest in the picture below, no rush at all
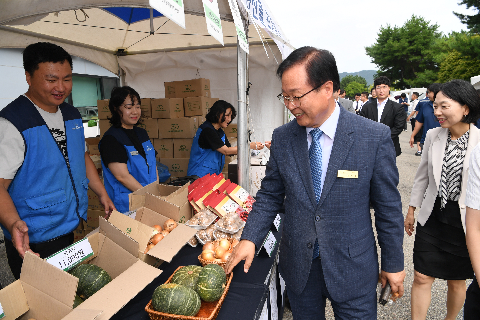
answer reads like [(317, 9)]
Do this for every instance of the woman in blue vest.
[(128, 156), (210, 144)]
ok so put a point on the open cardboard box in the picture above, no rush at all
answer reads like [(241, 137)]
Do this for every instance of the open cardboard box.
[(137, 233), (137, 199), (45, 292)]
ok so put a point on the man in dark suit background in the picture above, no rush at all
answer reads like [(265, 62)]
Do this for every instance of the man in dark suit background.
[(386, 111), (328, 247)]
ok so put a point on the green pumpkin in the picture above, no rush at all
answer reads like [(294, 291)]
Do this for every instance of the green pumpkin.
[(187, 276), (176, 299), (77, 301), (211, 282), (91, 278)]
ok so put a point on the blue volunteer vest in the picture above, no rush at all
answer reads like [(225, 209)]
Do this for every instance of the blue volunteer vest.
[(143, 170), (204, 161), (49, 196)]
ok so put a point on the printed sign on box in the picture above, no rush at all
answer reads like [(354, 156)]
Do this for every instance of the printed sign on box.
[(167, 108), (164, 148)]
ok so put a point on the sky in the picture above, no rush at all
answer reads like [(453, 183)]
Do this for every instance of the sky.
[(346, 27)]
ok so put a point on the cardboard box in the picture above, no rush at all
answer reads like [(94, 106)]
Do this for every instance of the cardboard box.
[(92, 145), (188, 88), (93, 201), (198, 106), (140, 230), (231, 131), (164, 148), (47, 292), (104, 125), (151, 126), (181, 148), (177, 167), (172, 194), (146, 106), (177, 128), (167, 108), (92, 220), (103, 109)]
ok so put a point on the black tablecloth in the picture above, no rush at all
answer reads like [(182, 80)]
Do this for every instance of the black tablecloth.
[(245, 298)]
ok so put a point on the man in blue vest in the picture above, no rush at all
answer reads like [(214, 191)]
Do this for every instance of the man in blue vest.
[(44, 170)]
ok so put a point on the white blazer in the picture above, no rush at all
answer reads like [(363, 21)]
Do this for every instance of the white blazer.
[(429, 172)]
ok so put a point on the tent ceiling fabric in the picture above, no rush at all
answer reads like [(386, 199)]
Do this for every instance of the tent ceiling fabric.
[(97, 29)]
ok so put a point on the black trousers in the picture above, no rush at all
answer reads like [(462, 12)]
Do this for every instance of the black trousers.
[(471, 309), (45, 249)]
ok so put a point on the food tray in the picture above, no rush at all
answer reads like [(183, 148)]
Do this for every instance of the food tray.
[(241, 224), (208, 310), (210, 216)]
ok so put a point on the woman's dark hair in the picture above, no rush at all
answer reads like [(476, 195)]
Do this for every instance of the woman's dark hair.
[(218, 110), (118, 96), (40, 52), (319, 64), (465, 94)]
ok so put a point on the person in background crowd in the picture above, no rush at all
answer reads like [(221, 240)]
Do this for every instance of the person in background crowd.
[(210, 144), (357, 103), (425, 117), (347, 104), (386, 111), (404, 101), (411, 117), (440, 250), (45, 171), (363, 100), (373, 95), (128, 156), (328, 247), (472, 223)]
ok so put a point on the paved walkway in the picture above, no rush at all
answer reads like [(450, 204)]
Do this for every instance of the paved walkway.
[(407, 164)]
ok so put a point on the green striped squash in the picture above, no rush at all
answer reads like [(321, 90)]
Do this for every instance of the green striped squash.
[(187, 276), (91, 278), (77, 301), (211, 282), (176, 299)]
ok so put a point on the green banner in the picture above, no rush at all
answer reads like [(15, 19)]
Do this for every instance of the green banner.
[(241, 34), (212, 16)]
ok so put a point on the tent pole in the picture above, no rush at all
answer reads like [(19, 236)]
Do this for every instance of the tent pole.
[(243, 158)]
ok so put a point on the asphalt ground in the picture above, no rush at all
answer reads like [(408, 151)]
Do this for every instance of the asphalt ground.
[(407, 164)]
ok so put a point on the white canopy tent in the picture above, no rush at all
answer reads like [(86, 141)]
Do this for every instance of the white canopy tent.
[(148, 52)]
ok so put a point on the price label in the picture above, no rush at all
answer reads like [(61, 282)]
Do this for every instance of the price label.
[(2, 314), (269, 243), (72, 255), (277, 222)]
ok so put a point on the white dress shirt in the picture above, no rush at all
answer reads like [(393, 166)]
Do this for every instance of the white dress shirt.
[(380, 107), (326, 140)]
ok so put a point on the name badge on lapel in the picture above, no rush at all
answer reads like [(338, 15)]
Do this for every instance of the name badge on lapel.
[(347, 174), (134, 153)]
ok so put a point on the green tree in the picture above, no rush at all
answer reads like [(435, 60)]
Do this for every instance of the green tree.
[(459, 56), (405, 54), (472, 21), (354, 87), (351, 78)]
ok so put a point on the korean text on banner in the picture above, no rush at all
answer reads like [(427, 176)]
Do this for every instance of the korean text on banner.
[(172, 9), (242, 37), (214, 23)]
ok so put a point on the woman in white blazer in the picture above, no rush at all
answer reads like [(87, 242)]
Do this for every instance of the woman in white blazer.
[(439, 188)]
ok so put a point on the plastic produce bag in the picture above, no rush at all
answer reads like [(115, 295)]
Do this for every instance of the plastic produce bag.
[(163, 173)]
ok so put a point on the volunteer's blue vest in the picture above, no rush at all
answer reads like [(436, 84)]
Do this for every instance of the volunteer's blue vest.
[(48, 195), (143, 170), (204, 161)]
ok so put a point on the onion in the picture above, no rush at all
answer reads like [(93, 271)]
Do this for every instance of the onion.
[(226, 256), (156, 238), (164, 233), (159, 228), (219, 252), (208, 255), (169, 225), (150, 246), (208, 246), (224, 243)]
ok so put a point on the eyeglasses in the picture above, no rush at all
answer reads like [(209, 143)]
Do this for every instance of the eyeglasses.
[(295, 101)]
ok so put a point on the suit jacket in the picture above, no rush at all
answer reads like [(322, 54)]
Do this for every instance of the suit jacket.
[(393, 116), (429, 172), (347, 104), (341, 220)]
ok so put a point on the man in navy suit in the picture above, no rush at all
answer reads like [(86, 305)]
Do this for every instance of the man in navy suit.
[(328, 247)]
